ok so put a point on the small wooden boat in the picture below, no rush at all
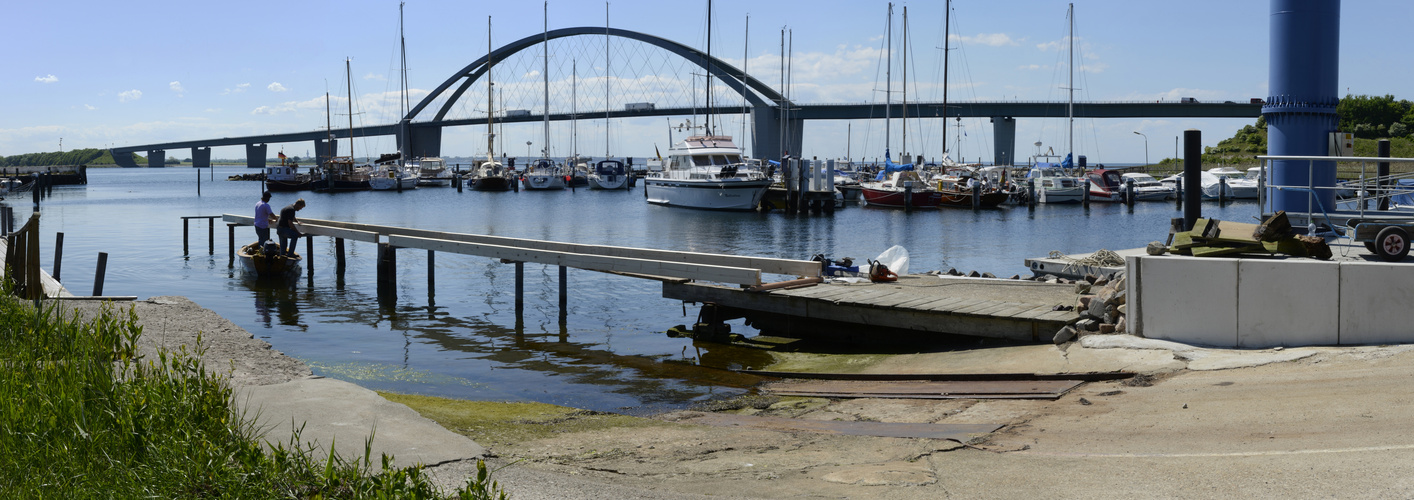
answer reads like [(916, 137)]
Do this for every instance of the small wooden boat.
[(268, 262)]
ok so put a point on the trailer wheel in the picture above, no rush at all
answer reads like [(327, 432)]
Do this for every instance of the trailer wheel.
[(1392, 244)]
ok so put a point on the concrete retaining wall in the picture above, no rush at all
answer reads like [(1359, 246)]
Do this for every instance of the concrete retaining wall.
[(1259, 303)]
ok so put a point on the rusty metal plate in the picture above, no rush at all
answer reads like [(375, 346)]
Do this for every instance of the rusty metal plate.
[(914, 389), (955, 432)]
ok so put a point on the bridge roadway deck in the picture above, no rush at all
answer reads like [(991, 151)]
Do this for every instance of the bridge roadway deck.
[(981, 307)]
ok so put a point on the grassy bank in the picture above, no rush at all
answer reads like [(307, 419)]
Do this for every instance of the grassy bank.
[(82, 416)]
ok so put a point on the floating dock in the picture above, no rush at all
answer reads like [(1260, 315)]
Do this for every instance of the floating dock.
[(915, 305)]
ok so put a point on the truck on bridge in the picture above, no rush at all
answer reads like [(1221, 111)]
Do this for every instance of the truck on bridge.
[(639, 106)]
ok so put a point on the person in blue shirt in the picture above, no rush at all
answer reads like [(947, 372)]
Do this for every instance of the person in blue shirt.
[(263, 216)]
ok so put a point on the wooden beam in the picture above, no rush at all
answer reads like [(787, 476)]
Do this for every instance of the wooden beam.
[(766, 265), (720, 274)]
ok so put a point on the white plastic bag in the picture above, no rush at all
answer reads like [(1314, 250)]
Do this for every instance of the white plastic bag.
[(896, 259)]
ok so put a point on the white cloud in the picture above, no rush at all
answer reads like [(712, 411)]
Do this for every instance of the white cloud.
[(988, 39), (46, 79), (1031, 67), (530, 75), (89, 107), (316, 103), (130, 95), (276, 87), (177, 87), (239, 88), (372, 76)]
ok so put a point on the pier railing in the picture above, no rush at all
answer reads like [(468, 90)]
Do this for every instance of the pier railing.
[(1368, 187)]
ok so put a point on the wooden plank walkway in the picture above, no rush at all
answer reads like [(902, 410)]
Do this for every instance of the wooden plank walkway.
[(52, 287), (995, 308)]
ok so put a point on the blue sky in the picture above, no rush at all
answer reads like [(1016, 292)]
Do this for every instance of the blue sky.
[(120, 73)]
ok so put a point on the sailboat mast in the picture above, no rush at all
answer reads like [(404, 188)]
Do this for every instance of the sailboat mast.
[(1070, 105), (607, 107), (403, 99), (545, 148), (574, 108), (888, 78), (947, 16), (348, 79), (709, 67), (490, 110), (903, 149), (745, 53)]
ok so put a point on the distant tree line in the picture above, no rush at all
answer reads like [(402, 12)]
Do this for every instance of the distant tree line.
[(89, 156), (1372, 117)]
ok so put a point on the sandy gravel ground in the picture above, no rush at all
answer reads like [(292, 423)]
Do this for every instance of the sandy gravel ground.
[(1306, 422)]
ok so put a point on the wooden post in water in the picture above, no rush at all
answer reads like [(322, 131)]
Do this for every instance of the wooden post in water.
[(309, 252), (1129, 193), (977, 196), (387, 270), (1031, 194), (1178, 192), (520, 290), (58, 253), (198, 181), (431, 272), (564, 295), (98, 274), (1085, 193), (339, 256), (186, 234), (211, 236), (231, 244), (1222, 189)]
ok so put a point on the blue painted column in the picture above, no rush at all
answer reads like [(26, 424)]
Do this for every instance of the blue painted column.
[(1300, 112)]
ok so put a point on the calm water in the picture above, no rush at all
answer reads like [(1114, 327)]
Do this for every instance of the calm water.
[(461, 339)]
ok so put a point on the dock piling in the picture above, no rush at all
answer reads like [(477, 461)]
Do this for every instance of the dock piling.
[(98, 274), (976, 196), (210, 236), (186, 235), (231, 244), (1178, 192), (309, 252), (1129, 193), (564, 293), (1031, 194), (1085, 194), (431, 272), (520, 290), (1192, 170), (58, 253), (339, 256)]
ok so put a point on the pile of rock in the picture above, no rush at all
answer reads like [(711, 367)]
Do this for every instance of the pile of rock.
[(1101, 306)]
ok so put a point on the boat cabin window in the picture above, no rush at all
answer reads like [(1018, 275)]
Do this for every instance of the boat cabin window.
[(714, 160)]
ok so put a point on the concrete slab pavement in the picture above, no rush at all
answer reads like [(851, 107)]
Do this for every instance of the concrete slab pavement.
[(343, 414)]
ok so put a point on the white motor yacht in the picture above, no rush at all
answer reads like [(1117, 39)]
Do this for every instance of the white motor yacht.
[(1147, 188), (707, 172)]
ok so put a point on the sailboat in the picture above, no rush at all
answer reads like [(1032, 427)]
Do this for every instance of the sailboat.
[(490, 175), (544, 174), (707, 171), (1054, 183), (609, 173), (897, 185), (340, 172), (394, 172)]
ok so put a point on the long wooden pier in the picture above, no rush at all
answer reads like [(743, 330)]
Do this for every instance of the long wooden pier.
[(920, 304)]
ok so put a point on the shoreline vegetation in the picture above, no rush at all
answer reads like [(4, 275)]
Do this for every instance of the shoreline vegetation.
[(86, 414)]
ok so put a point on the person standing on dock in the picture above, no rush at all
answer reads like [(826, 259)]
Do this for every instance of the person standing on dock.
[(289, 233), (263, 215)]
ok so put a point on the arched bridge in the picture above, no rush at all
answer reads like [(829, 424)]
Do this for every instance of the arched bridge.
[(421, 128)]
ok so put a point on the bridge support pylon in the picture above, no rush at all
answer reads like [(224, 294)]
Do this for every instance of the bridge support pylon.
[(157, 158), (124, 159), (1004, 140), (766, 141), (255, 155), (325, 149), (201, 157), (425, 141)]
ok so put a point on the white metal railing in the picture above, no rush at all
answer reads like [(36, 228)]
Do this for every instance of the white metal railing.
[(1368, 187)]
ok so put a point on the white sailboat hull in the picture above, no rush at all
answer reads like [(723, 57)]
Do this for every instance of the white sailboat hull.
[(615, 181), (543, 182)]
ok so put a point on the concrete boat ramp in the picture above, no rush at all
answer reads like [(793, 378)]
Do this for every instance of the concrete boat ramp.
[(915, 305)]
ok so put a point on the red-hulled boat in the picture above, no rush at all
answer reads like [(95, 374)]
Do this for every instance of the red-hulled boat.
[(901, 189)]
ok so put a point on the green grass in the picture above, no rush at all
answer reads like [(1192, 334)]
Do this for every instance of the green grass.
[(82, 416)]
